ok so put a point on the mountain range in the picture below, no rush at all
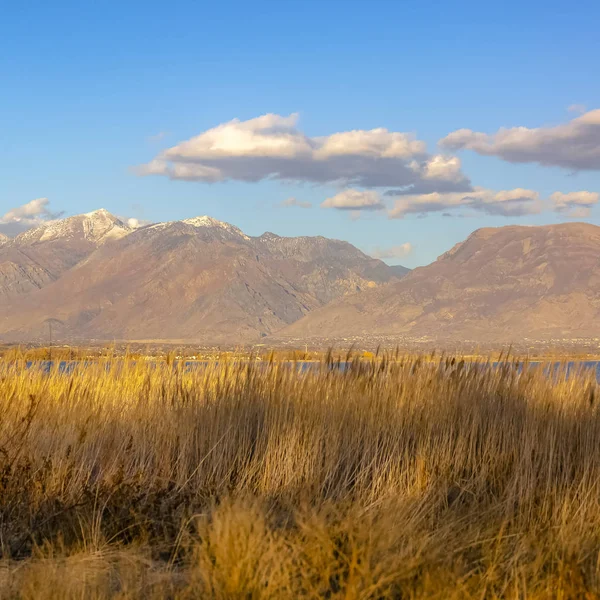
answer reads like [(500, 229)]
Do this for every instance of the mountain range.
[(196, 279), (202, 280), (501, 284)]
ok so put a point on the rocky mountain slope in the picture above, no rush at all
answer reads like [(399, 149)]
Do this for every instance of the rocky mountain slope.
[(41, 255), (197, 279), (501, 284)]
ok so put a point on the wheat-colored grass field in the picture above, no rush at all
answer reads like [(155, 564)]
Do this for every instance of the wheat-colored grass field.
[(402, 478)]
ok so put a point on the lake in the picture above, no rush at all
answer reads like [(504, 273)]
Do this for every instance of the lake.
[(571, 366)]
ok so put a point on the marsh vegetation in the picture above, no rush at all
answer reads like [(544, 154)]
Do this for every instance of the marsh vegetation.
[(409, 478)]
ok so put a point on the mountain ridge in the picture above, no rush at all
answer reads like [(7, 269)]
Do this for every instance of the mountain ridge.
[(39, 256), (499, 284), (195, 278), (206, 280)]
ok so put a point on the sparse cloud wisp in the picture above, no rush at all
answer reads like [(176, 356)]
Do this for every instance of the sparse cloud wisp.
[(157, 137), (399, 251), (292, 201)]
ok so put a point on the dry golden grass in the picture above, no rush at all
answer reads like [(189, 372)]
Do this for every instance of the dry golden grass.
[(389, 479)]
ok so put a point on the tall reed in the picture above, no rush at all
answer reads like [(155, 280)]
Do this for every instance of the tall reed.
[(381, 478)]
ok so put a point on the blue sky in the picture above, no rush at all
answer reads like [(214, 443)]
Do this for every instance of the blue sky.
[(88, 91)]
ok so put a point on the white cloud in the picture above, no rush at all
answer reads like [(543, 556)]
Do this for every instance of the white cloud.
[(577, 108), (33, 210), (512, 203), (291, 201), (26, 216), (399, 251), (445, 168), (354, 200), (573, 145), (575, 204), (134, 222), (272, 147), (378, 143)]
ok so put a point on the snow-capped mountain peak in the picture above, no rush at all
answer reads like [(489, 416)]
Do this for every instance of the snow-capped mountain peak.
[(97, 227), (200, 223), (206, 221)]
